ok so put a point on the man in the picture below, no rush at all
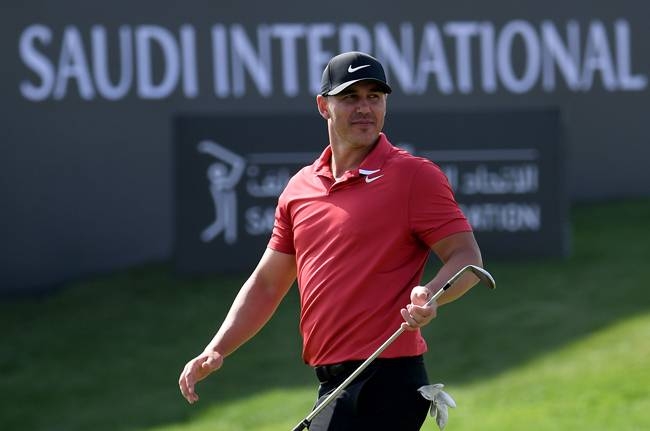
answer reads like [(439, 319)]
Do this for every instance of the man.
[(355, 228)]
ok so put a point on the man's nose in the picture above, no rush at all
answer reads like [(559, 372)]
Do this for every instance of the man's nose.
[(363, 105)]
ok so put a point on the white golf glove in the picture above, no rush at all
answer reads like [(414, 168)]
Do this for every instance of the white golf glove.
[(440, 400)]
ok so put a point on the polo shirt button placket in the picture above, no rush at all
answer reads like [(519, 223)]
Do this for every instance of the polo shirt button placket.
[(346, 181)]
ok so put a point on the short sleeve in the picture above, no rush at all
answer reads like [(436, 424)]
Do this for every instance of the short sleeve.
[(433, 211), (282, 235)]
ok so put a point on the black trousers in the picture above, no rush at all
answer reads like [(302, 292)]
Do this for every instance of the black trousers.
[(383, 397)]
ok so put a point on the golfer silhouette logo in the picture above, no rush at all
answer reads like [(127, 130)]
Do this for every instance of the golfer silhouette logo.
[(224, 176)]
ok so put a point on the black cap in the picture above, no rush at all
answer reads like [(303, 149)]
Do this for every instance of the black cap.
[(350, 67)]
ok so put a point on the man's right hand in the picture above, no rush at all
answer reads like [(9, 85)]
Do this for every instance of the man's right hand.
[(196, 370)]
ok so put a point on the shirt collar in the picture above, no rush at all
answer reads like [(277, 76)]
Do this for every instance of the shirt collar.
[(373, 161), (376, 158)]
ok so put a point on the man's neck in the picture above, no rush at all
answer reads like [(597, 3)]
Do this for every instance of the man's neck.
[(346, 157)]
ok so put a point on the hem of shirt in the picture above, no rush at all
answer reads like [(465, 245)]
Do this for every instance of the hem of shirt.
[(278, 247)]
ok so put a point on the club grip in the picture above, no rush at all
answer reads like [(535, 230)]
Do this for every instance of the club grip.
[(301, 426)]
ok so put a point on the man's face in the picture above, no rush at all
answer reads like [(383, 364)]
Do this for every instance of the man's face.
[(356, 115)]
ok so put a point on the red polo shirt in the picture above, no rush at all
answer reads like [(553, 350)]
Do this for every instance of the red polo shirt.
[(361, 245)]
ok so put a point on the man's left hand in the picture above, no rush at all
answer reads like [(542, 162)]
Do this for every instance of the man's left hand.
[(417, 314)]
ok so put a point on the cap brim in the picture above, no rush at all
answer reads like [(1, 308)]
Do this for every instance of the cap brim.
[(338, 89)]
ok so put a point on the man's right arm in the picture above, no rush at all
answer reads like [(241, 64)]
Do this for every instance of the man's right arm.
[(254, 305)]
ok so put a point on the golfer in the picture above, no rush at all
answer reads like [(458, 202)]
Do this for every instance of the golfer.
[(355, 229)]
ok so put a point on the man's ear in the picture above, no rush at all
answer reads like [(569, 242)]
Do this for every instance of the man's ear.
[(321, 103)]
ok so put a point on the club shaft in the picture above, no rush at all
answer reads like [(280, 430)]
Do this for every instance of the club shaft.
[(302, 425)]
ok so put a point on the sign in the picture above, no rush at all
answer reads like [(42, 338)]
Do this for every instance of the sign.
[(505, 169), (452, 57)]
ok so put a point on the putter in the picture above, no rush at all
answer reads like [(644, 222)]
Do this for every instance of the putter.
[(483, 276)]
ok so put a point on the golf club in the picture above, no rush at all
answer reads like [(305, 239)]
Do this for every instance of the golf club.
[(483, 277)]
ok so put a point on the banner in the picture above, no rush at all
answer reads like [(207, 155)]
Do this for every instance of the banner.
[(504, 168)]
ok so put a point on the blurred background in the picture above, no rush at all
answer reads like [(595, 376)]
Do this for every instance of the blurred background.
[(143, 146)]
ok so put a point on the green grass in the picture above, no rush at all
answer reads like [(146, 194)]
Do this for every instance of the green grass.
[(561, 344)]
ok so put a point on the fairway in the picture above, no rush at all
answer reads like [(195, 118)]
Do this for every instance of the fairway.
[(560, 345)]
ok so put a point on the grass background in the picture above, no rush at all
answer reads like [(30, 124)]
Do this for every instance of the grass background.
[(561, 344)]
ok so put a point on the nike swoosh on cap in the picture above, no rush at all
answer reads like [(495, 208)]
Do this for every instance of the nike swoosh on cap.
[(354, 69)]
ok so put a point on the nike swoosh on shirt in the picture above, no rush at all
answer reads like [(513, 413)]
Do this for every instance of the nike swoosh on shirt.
[(354, 69), (369, 180)]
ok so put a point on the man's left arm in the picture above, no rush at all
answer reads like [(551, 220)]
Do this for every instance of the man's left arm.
[(455, 251)]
